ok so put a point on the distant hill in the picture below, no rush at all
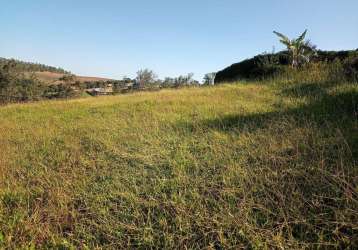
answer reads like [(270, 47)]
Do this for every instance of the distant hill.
[(265, 65), (33, 67), (48, 74), (57, 78)]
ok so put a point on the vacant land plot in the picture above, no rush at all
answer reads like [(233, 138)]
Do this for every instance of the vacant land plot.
[(245, 165)]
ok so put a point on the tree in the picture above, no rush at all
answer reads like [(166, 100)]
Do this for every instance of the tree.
[(185, 80), (68, 78), (301, 50), (168, 82), (145, 77), (209, 78), (15, 86), (59, 91)]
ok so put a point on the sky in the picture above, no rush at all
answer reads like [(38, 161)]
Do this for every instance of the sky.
[(116, 38)]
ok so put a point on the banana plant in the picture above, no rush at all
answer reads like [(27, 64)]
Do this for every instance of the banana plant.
[(301, 50)]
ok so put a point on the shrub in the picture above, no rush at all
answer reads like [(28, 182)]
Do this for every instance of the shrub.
[(270, 65), (59, 91), (15, 87), (351, 68)]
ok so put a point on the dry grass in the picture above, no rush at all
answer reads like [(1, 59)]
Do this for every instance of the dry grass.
[(227, 167), (54, 78)]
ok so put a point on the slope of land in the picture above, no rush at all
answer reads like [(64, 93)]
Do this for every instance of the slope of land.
[(268, 65), (47, 74), (55, 78), (31, 67), (245, 165)]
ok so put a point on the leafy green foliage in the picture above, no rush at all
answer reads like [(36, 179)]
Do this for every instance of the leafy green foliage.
[(59, 91), (178, 82), (68, 78), (209, 78), (350, 66), (300, 50), (268, 65), (15, 87), (258, 67), (145, 78), (31, 67)]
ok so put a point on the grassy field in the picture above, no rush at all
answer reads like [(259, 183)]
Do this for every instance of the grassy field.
[(225, 167)]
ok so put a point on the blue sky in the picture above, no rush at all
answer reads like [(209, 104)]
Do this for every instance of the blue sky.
[(113, 39)]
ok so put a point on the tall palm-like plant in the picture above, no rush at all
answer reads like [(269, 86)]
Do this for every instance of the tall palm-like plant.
[(301, 50)]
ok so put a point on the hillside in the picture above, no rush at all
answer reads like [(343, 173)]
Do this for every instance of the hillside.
[(55, 78), (225, 167), (32, 67), (47, 74), (268, 65)]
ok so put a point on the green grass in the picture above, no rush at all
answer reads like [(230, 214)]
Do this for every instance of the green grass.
[(225, 167)]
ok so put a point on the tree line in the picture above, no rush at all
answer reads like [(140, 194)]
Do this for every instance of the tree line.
[(32, 67), (16, 86)]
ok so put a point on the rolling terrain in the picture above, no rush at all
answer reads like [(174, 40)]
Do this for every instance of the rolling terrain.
[(245, 165), (55, 78), (47, 74)]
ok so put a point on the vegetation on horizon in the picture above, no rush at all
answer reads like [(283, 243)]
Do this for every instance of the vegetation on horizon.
[(299, 53), (300, 50), (15, 86), (31, 67)]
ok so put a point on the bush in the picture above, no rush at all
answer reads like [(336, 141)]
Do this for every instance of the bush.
[(351, 68), (320, 72), (15, 87), (59, 91), (32, 67), (258, 67), (270, 65)]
